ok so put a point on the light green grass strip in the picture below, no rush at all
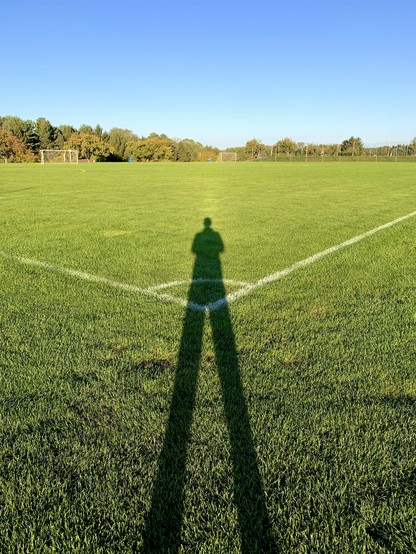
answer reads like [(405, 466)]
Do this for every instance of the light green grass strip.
[(213, 306)]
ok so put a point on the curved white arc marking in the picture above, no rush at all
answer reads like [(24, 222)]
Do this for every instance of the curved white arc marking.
[(199, 280), (166, 285)]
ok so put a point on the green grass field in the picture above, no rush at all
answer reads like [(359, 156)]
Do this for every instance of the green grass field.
[(282, 422)]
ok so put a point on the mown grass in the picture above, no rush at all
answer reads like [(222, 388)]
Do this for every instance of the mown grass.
[(325, 359)]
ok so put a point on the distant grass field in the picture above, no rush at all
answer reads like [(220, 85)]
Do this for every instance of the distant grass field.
[(283, 422)]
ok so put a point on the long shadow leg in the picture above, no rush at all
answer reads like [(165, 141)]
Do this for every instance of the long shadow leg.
[(253, 518), (164, 521), (163, 527)]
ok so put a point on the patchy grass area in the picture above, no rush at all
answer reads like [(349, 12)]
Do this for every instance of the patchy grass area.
[(283, 422)]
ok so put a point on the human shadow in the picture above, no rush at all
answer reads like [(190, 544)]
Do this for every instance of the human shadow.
[(164, 521)]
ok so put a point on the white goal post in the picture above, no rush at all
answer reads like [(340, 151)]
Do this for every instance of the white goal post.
[(227, 157), (58, 157)]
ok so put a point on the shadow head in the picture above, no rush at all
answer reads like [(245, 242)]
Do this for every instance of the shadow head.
[(207, 222)]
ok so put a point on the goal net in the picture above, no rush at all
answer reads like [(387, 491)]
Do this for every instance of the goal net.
[(227, 157), (58, 157)]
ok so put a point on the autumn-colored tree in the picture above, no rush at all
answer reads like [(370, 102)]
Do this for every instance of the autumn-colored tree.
[(24, 130), (208, 153), (13, 149)]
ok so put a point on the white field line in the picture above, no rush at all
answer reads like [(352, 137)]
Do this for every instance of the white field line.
[(302, 263), (212, 306), (199, 280), (96, 279)]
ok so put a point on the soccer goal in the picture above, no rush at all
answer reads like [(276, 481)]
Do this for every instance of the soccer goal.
[(58, 157), (227, 157)]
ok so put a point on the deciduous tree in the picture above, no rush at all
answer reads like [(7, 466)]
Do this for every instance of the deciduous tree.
[(23, 130), (118, 139), (185, 150), (208, 153), (89, 146), (151, 149), (253, 148), (13, 149), (287, 146)]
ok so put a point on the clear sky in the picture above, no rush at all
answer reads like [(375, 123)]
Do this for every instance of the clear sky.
[(221, 72)]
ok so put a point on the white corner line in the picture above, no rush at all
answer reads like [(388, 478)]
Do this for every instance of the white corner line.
[(245, 289), (95, 279), (302, 263)]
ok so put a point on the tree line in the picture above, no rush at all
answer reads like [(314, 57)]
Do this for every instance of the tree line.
[(22, 140), (350, 147)]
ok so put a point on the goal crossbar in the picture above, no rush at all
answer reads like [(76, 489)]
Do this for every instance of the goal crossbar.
[(227, 157), (59, 156)]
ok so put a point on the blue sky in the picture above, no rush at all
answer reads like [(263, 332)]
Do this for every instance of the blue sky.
[(219, 72)]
